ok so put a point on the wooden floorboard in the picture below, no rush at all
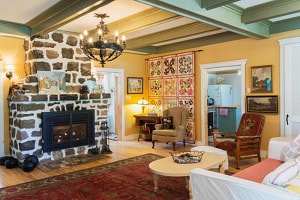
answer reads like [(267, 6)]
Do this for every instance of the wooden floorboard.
[(121, 150)]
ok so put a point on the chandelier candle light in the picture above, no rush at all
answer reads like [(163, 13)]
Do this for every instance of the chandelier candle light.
[(105, 48)]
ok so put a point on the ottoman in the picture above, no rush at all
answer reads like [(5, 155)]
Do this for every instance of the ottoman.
[(213, 150)]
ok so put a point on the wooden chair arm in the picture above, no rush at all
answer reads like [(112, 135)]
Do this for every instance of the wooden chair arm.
[(248, 137), (223, 133)]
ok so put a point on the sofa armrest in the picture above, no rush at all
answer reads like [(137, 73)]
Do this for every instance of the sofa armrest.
[(158, 126), (215, 186), (276, 146)]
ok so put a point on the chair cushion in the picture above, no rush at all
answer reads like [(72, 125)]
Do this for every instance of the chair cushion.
[(250, 125), (292, 150), (167, 122), (165, 132)]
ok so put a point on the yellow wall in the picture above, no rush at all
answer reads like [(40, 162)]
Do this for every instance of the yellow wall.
[(11, 52), (257, 52)]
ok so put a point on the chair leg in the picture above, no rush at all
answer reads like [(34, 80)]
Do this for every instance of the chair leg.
[(174, 143), (153, 143), (238, 162), (184, 142), (258, 156)]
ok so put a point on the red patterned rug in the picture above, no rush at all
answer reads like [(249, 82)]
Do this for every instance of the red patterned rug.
[(124, 179)]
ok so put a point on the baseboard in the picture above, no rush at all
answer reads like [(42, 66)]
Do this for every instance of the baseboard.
[(131, 137)]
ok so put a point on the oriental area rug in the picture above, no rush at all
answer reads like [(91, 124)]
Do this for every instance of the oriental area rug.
[(125, 179)]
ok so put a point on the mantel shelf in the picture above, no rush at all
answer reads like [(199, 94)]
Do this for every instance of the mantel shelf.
[(57, 97)]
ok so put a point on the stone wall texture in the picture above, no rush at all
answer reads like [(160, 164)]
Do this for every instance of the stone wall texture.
[(56, 52), (26, 125)]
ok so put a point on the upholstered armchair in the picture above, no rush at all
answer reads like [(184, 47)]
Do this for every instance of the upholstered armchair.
[(245, 143), (173, 127)]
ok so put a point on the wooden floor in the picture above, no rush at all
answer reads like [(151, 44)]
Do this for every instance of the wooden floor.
[(120, 149)]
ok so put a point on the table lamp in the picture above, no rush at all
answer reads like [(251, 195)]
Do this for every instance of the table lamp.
[(143, 102)]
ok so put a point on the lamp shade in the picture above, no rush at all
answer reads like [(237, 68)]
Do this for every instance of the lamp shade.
[(10, 68), (142, 102)]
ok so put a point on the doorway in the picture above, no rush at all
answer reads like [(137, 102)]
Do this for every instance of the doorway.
[(112, 81), (1, 113), (238, 67), (289, 90)]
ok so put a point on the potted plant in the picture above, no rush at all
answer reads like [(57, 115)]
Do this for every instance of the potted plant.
[(146, 132)]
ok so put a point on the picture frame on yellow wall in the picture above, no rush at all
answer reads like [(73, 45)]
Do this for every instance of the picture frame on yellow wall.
[(261, 79), (262, 104), (134, 85)]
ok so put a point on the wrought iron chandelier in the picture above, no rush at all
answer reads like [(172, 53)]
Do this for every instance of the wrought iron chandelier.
[(105, 48)]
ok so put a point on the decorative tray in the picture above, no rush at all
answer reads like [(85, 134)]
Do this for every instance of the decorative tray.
[(187, 156)]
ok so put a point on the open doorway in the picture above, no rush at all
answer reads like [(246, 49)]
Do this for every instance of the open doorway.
[(214, 74), (1, 114), (112, 81)]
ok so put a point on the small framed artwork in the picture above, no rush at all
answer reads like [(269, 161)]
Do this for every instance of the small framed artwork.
[(262, 104), (261, 79), (134, 85)]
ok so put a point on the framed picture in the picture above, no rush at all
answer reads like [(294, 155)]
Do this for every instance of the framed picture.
[(262, 104), (261, 77), (51, 82), (134, 85)]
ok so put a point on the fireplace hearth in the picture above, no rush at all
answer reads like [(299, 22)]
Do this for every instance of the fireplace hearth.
[(67, 129)]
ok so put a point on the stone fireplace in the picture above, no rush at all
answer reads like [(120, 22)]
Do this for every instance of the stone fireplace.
[(58, 52)]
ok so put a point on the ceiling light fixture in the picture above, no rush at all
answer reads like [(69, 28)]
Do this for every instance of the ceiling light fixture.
[(105, 48)]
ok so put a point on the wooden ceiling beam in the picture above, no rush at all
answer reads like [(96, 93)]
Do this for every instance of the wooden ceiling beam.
[(61, 13), (221, 17), (270, 10), (211, 4)]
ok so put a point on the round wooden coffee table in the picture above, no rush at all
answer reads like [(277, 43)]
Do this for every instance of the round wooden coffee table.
[(167, 167)]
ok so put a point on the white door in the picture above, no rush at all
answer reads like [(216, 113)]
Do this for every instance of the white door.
[(289, 86)]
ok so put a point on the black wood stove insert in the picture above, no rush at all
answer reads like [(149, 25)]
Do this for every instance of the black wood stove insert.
[(68, 129)]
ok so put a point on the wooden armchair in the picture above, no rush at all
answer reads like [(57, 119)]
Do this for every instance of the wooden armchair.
[(245, 143), (174, 131)]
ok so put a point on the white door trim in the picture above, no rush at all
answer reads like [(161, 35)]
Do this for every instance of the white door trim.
[(204, 68), (120, 93), (285, 63), (1, 112)]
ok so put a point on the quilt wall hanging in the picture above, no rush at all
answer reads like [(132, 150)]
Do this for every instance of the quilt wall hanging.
[(171, 84)]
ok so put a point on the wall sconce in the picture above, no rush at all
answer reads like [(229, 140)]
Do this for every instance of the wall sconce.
[(9, 71), (143, 102)]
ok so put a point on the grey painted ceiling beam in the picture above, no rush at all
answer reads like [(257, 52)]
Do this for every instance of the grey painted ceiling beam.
[(285, 25), (61, 13), (270, 10), (195, 43), (221, 17), (19, 30), (170, 34), (210, 4)]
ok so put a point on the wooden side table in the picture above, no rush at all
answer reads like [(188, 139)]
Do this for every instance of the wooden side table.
[(140, 120)]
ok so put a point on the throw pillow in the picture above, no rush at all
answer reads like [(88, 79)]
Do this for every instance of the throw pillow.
[(292, 150), (167, 123)]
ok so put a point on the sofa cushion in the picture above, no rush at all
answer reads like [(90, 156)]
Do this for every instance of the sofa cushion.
[(264, 167), (292, 150)]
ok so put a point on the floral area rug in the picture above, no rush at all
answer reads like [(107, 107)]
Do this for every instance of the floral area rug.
[(125, 179)]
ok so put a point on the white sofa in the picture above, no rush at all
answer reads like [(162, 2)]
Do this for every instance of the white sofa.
[(210, 185)]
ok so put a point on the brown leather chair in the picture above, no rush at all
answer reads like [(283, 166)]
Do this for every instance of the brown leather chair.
[(245, 143), (177, 131)]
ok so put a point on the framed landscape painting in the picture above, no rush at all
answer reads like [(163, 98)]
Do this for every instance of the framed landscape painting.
[(261, 77), (262, 104)]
